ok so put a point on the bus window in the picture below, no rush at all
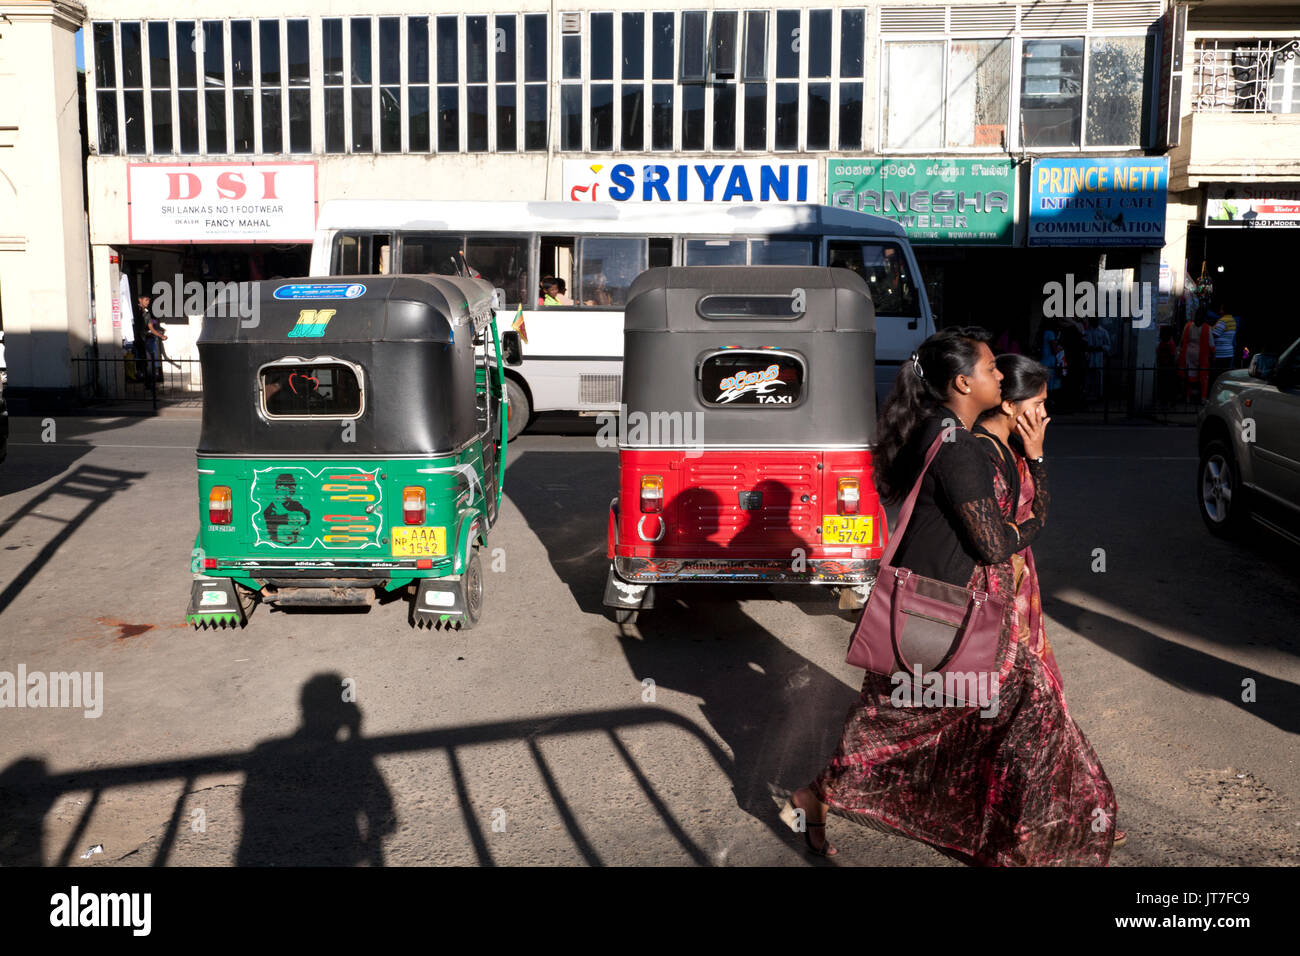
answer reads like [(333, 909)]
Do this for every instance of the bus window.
[(431, 255), (608, 268), (884, 267), (661, 252), (556, 259), (780, 252), (715, 252), (359, 255), (503, 261)]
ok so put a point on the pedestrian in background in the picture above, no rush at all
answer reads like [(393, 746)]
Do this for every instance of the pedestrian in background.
[(1195, 352)]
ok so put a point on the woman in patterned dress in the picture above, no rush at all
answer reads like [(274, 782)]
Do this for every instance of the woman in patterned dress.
[(1019, 786)]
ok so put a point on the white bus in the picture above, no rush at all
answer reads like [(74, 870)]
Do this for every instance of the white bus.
[(573, 357)]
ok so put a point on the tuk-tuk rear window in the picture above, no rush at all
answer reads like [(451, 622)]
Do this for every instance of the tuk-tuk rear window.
[(749, 307), (751, 377), (310, 390)]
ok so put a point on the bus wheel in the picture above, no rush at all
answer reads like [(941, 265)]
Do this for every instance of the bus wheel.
[(472, 583), (519, 410)]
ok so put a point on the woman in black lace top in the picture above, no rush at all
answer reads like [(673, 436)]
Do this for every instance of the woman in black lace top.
[(1020, 785)]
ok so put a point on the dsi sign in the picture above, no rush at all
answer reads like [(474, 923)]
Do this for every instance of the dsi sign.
[(1098, 202), (743, 181)]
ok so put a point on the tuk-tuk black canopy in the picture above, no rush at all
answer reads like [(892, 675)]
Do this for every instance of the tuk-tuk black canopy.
[(805, 337), (409, 339)]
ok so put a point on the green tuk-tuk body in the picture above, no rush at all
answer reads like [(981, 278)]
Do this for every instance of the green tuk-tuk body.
[(353, 443)]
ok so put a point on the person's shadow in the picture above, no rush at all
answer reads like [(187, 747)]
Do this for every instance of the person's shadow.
[(25, 798), (314, 799)]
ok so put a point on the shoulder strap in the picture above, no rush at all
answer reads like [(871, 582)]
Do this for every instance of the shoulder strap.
[(906, 513)]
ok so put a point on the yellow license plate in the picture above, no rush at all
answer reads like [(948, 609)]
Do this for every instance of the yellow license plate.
[(841, 530), (419, 542)]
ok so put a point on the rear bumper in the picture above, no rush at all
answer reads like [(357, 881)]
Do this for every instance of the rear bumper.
[(843, 571)]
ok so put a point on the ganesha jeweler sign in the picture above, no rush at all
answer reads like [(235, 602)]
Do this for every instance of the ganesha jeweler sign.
[(221, 202)]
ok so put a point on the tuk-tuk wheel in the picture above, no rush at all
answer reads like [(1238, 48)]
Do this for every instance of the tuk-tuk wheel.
[(473, 584)]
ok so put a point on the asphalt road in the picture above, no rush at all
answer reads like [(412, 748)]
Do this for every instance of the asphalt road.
[(535, 738)]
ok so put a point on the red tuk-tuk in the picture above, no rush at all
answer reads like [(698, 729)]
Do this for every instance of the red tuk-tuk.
[(746, 433)]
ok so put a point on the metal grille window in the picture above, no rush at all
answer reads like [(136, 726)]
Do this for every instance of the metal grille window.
[(105, 48), (448, 85), (417, 84), (241, 83), (299, 64), (132, 88), (160, 86), (214, 87), (332, 78), (1246, 76)]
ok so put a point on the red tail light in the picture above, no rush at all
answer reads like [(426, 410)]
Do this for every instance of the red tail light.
[(219, 506), (847, 496), (413, 509), (652, 494)]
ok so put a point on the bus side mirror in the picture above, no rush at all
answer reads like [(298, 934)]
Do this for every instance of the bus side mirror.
[(498, 299), (512, 349)]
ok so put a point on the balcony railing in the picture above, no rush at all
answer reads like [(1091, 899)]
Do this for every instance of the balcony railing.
[(1245, 76)]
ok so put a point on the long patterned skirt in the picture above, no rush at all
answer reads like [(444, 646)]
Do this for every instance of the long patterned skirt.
[(1021, 787)]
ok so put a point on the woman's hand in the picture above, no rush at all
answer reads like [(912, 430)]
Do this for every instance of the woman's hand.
[(1031, 427)]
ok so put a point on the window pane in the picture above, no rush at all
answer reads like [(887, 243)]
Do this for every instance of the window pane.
[(535, 47), (241, 53), (187, 106), (503, 262), (504, 44), (476, 115), (300, 121), (883, 266), (361, 52), (332, 50), (755, 45), (850, 116), (133, 113), (787, 116), (534, 117), (108, 123), (692, 117), (1051, 92), (214, 54), (242, 113), (819, 43), (214, 110), (186, 58), (819, 115), (755, 116), (852, 23), (390, 119), (334, 120), (272, 128), (417, 52), (303, 390), (448, 119), (390, 42), (571, 116), (162, 121), (418, 109), (431, 255), (507, 131), (300, 54), (715, 252), (571, 54), (448, 61), (749, 378), (724, 117), (132, 71), (723, 44), (693, 46), (602, 116), (633, 46), (661, 117), (602, 46), (662, 41), (633, 118), (363, 140), (160, 57), (780, 252), (979, 92), (268, 36), (787, 43), (608, 268), (476, 49), (1116, 66), (105, 61), (913, 95)]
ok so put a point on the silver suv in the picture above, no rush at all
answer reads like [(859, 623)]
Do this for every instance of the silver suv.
[(1249, 441)]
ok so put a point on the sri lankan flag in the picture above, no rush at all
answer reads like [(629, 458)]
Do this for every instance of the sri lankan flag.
[(518, 325)]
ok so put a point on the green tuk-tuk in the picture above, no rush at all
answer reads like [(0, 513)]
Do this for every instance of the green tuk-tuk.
[(353, 442)]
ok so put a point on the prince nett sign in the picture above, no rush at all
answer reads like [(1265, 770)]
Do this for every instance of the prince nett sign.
[(219, 202)]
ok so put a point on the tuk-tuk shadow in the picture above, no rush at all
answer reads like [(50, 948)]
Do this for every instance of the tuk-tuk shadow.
[(564, 423)]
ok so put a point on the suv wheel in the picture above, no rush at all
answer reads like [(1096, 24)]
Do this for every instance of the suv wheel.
[(1219, 492)]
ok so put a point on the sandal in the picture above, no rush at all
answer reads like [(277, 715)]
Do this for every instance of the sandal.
[(1121, 837), (790, 817)]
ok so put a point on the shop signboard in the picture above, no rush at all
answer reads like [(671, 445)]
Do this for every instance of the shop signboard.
[(221, 202), (1098, 202), (951, 201), (1241, 206), (737, 181)]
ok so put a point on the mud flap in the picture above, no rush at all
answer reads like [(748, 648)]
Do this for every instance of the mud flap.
[(628, 597), (439, 602), (214, 602)]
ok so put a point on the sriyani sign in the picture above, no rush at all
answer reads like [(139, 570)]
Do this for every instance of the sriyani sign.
[(741, 181)]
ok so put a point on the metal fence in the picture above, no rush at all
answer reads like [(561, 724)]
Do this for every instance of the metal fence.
[(127, 378), (1240, 76), (1122, 391)]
